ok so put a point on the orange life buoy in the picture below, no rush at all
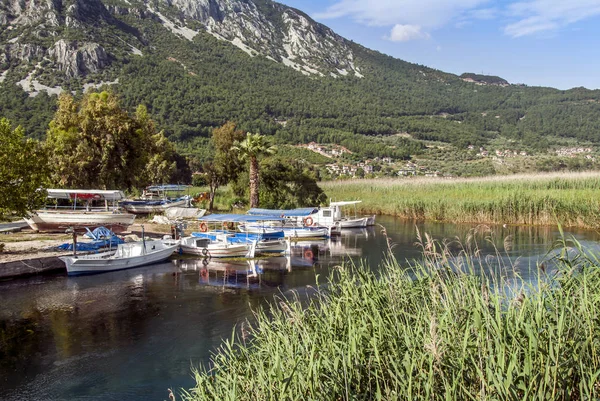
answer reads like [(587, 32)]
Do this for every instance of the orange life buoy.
[(308, 221), (203, 227), (308, 254)]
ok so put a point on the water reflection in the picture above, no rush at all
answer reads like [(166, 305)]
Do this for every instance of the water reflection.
[(134, 333)]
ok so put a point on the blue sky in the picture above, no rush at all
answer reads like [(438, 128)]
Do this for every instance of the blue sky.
[(537, 42)]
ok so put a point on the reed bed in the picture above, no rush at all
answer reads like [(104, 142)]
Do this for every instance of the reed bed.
[(434, 331), (569, 199)]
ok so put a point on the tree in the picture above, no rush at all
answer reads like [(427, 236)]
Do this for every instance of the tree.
[(251, 148), (96, 143), (223, 168), (289, 184), (22, 172)]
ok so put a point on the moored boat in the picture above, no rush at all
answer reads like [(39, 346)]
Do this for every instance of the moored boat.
[(327, 216), (126, 256), (215, 246)]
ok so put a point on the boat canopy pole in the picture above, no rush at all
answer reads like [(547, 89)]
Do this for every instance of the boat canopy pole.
[(144, 239)]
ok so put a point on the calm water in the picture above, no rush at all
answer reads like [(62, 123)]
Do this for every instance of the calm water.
[(132, 334)]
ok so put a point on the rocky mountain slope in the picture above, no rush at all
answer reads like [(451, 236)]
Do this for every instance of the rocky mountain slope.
[(80, 37)]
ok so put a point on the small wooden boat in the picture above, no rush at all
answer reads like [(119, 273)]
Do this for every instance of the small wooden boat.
[(126, 256), (216, 246)]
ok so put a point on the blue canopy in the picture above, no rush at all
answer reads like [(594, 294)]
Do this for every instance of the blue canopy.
[(238, 218), (168, 187), (299, 212)]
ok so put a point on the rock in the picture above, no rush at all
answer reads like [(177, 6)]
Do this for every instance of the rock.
[(24, 52), (79, 59)]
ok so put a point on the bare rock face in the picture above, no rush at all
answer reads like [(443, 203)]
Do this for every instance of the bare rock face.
[(24, 52), (279, 32), (76, 59)]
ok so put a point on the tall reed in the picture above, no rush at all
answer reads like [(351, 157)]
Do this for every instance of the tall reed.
[(435, 331), (569, 199)]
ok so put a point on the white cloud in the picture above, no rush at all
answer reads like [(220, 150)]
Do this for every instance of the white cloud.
[(534, 16), (404, 33), (423, 13)]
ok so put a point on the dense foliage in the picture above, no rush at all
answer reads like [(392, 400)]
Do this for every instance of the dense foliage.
[(284, 184), (95, 143), (23, 171)]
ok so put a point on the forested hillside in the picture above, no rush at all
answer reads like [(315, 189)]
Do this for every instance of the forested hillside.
[(390, 108)]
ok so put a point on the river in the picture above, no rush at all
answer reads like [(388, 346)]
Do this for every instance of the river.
[(132, 334)]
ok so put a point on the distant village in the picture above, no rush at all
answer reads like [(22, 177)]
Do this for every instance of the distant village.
[(342, 166), (345, 168)]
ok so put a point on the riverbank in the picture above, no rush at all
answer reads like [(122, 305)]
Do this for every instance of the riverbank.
[(28, 253), (569, 199), (434, 333)]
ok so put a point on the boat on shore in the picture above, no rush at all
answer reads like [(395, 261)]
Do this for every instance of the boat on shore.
[(141, 206), (126, 256), (89, 209), (155, 200)]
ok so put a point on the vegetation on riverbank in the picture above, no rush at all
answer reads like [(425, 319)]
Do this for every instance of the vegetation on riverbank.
[(571, 199), (429, 333)]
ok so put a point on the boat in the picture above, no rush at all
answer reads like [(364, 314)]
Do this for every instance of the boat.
[(154, 200), (126, 256), (152, 206), (273, 242), (327, 216), (224, 231), (216, 245), (80, 209), (288, 231)]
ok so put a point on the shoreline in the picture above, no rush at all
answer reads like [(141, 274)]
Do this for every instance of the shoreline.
[(34, 254)]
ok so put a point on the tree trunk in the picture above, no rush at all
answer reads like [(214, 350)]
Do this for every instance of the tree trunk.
[(254, 182)]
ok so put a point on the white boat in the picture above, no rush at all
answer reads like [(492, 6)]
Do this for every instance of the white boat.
[(216, 246), (126, 256), (90, 208), (288, 231), (328, 216)]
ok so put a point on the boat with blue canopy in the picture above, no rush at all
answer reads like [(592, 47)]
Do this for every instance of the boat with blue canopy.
[(326, 216), (223, 231), (155, 199)]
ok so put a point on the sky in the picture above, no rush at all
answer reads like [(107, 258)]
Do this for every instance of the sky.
[(552, 43)]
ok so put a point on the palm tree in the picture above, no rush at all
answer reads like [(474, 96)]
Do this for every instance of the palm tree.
[(254, 146)]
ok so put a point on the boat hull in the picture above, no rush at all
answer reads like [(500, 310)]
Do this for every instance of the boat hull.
[(127, 256), (289, 232), (59, 221), (215, 249)]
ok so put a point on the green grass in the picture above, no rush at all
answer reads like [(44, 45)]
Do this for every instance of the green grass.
[(570, 199), (428, 333)]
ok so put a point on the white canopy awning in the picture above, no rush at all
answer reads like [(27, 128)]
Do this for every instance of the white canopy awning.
[(344, 203), (86, 194)]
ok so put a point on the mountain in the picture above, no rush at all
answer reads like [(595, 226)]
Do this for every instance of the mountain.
[(198, 63)]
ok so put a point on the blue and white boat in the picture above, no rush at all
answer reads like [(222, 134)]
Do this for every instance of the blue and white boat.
[(224, 233), (330, 216)]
